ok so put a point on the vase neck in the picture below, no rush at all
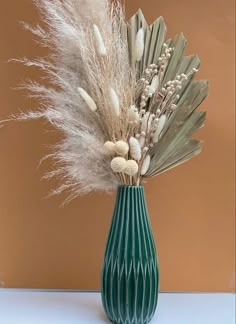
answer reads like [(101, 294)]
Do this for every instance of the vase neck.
[(130, 189), (131, 198), (130, 231)]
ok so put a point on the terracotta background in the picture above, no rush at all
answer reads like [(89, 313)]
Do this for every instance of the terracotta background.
[(192, 207)]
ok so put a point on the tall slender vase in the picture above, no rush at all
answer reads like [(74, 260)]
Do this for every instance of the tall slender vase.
[(130, 276)]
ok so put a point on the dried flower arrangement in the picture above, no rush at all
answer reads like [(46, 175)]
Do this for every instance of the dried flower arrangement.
[(123, 96)]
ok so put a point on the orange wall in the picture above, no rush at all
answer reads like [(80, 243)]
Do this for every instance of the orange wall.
[(191, 207)]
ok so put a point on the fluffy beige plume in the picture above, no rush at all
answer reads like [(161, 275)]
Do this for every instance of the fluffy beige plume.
[(99, 41), (86, 97), (135, 148), (146, 164), (121, 148), (75, 49), (160, 125), (118, 164), (139, 45), (131, 168), (115, 104)]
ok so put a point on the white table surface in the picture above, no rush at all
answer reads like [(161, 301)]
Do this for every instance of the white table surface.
[(71, 307)]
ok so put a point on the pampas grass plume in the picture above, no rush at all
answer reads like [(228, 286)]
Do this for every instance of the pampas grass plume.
[(115, 102), (86, 97), (99, 41), (109, 148), (139, 45), (121, 148), (131, 168), (135, 148), (145, 166), (118, 164), (160, 125)]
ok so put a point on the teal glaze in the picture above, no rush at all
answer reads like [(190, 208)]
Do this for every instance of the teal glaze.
[(130, 276)]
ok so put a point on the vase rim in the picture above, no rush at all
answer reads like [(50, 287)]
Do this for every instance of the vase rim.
[(130, 186)]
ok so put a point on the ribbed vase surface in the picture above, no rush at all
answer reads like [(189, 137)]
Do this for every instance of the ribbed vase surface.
[(130, 276)]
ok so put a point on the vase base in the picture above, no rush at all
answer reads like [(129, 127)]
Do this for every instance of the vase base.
[(128, 321)]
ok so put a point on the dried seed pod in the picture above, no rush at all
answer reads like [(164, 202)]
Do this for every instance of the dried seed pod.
[(115, 102), (139, 45), (145, 166), (146, 122), (118, 164), (109, 148), (160, 125), (121, 148), (133, 114), (154, 85), (89, 100), (131, 168), (99, 41), (135, 149), (142, 141)]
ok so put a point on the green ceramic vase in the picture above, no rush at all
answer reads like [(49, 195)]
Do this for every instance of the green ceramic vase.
[(130, 276)]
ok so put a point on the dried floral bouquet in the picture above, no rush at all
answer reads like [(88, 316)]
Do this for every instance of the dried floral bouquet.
[(123, 96)]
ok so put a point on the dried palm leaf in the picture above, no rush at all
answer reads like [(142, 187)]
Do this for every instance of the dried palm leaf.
[(174, 145)]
